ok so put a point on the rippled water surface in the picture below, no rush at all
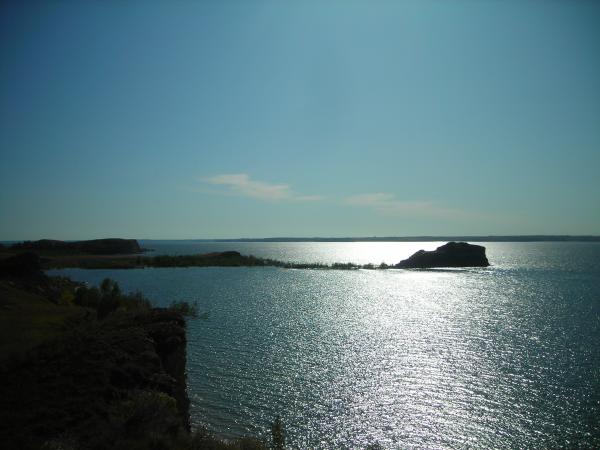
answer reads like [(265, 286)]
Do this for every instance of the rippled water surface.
[(502, 357)]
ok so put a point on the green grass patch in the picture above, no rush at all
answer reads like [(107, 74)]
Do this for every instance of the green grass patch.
[(28, 319)]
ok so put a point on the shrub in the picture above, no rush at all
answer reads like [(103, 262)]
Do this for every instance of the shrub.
[(277, 434), (109, 298), (344, 266), (185, 308), (134, 301), (87, 297), (202, 439), (146, 411)]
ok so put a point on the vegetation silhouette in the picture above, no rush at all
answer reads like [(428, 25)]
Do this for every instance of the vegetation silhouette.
[(277, 434)]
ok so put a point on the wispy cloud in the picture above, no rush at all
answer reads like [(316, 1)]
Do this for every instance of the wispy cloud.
[(308, 198), (388, 204), (241, 184)]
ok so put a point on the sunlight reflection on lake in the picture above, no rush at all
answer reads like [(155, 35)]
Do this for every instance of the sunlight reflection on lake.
[(502, 357)]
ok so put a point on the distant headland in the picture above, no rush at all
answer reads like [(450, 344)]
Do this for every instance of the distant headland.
[(94, 246)]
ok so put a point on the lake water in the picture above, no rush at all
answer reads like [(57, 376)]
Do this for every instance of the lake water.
[(501, 357)]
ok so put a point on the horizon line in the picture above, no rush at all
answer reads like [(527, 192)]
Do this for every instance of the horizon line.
[(416, 238), (440, 237)]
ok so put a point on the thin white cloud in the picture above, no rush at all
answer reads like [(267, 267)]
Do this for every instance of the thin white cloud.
[(388, 204), (241, 184), (308, 198)]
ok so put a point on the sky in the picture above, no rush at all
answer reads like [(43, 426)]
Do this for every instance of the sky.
[(228, 119)]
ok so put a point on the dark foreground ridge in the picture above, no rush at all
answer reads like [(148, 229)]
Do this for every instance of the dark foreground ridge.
[(82, 377), (452, 254), (101, 384), (91, 368)]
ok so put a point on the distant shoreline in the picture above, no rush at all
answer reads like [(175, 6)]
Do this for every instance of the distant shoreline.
[(492, 238), (466, 238)]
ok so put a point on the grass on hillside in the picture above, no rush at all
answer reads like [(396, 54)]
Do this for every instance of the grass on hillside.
[(27, 319)]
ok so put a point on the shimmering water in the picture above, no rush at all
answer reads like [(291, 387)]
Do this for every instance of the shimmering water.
[(502, 357)]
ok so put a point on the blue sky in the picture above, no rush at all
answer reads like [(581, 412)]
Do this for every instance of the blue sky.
[(337, 118)]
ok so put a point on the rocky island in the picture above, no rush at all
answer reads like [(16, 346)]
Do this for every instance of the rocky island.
[(452, 254)]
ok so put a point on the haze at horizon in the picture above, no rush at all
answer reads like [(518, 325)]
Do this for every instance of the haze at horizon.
[(232, 120)]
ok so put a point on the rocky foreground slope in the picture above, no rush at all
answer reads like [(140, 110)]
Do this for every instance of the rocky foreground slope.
[(71, 377), (86, 368), (102, 384)]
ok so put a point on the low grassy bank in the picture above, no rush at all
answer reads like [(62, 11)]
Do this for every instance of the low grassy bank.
[(28, 318), (222, 259), (113, 254)]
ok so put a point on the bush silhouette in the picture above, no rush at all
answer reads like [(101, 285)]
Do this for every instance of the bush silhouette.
[(277, 434)]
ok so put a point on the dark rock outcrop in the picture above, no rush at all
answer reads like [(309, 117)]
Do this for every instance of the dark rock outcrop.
[(24, 271), (109, 246), (24, 265), (452, 254)]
